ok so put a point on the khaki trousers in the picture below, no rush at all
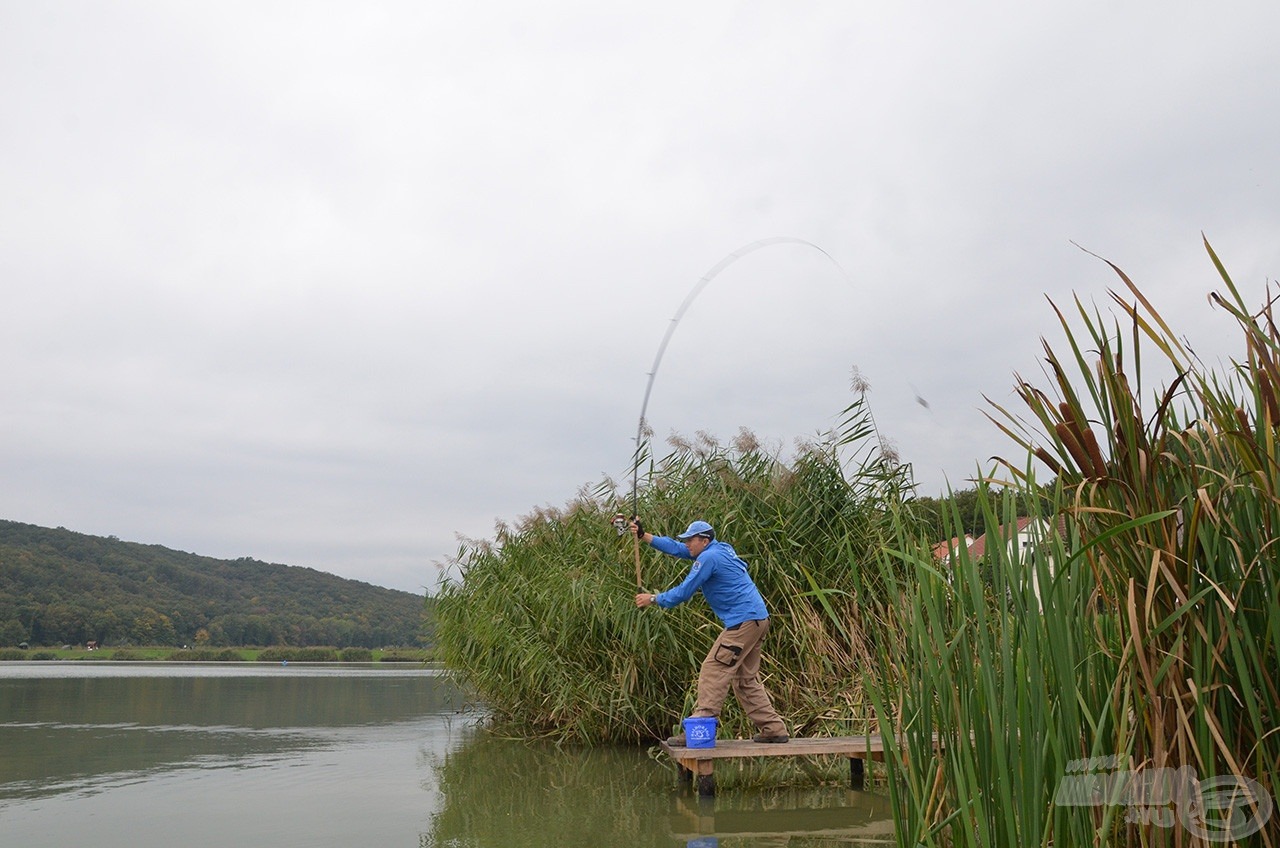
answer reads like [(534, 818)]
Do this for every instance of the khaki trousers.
[(734, 662)]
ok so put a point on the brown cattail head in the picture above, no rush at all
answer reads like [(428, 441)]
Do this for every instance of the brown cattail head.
[(1072, 444), (1047, 458)]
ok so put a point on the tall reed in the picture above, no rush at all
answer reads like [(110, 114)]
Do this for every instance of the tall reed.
[(542, 625), (1142, 636)]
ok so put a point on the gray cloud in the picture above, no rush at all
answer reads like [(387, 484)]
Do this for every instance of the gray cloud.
[(328, 284)]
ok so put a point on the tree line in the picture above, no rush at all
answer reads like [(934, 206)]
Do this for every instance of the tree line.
[(965, 506), (61, 587)]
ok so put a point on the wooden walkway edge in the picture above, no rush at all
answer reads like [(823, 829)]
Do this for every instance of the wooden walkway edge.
[(700, 762)]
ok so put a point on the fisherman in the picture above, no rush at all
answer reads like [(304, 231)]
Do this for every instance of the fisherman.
[(734, 658)]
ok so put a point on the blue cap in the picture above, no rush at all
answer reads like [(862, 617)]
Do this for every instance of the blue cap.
[(697, 528)]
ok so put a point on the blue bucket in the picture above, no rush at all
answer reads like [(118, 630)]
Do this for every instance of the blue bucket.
[(700, 731)]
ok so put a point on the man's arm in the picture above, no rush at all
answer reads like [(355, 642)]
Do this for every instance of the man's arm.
[(670, 547), (692, 583)]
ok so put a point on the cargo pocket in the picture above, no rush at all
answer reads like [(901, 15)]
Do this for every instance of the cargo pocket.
[(728, 655)]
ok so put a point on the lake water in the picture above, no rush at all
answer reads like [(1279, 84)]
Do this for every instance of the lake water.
[(238, 754)]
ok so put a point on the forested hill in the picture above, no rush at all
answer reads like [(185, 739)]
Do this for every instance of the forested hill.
[(59, 587)]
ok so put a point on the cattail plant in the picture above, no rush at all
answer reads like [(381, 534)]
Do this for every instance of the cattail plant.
[(1144, 637)]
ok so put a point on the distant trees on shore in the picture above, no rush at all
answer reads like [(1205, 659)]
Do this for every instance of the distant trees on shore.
[(59, 587)]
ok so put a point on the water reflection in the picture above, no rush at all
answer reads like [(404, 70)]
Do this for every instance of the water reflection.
[(282, 757), (86, 729), (498, 792), (791, 818), (259, 698)]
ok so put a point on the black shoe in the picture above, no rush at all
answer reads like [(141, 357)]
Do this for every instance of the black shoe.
[(678, 741), (772, 740)]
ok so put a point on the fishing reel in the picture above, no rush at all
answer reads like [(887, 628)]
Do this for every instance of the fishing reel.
[(623, 525)]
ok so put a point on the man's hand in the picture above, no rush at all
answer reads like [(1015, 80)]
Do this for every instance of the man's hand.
[(646, 599), (638, 528)]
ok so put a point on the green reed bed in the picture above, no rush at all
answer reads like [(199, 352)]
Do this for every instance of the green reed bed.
[(1138, 633), (542, 625), (1143, 634)]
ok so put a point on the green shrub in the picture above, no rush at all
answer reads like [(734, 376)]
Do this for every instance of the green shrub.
[(126, 655), (42, 655), (403, 657), (316, 655), (12, 654), (204, 655), (189, 655), (355, 655)]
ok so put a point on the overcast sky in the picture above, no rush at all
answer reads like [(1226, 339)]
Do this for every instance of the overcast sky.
[(330, 284)]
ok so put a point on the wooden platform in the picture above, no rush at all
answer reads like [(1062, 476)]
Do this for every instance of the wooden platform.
[(699, 763)]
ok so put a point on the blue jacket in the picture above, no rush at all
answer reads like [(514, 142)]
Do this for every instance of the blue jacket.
[(722, 577)]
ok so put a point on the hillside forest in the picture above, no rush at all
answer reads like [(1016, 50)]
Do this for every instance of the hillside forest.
[(61, 587)]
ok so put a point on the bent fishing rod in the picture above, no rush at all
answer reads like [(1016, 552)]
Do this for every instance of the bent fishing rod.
[(619, 520)]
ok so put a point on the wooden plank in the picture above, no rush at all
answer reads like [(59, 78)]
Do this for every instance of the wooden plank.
[(861, 747), (700, 762)]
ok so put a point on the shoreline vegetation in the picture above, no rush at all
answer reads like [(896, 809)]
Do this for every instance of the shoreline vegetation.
[(543, 627), (271, 654), (1133, 631), (59, 587)]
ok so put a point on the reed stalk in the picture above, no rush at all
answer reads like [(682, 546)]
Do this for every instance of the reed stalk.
[(1141, 633), (1138, 635), (541, 623)]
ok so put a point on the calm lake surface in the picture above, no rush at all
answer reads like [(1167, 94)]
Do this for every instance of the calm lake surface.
[(249, 754)]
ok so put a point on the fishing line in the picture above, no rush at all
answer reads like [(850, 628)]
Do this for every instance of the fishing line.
[(702, 283)]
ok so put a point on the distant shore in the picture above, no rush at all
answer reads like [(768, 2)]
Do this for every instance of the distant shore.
[(172, 654)]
